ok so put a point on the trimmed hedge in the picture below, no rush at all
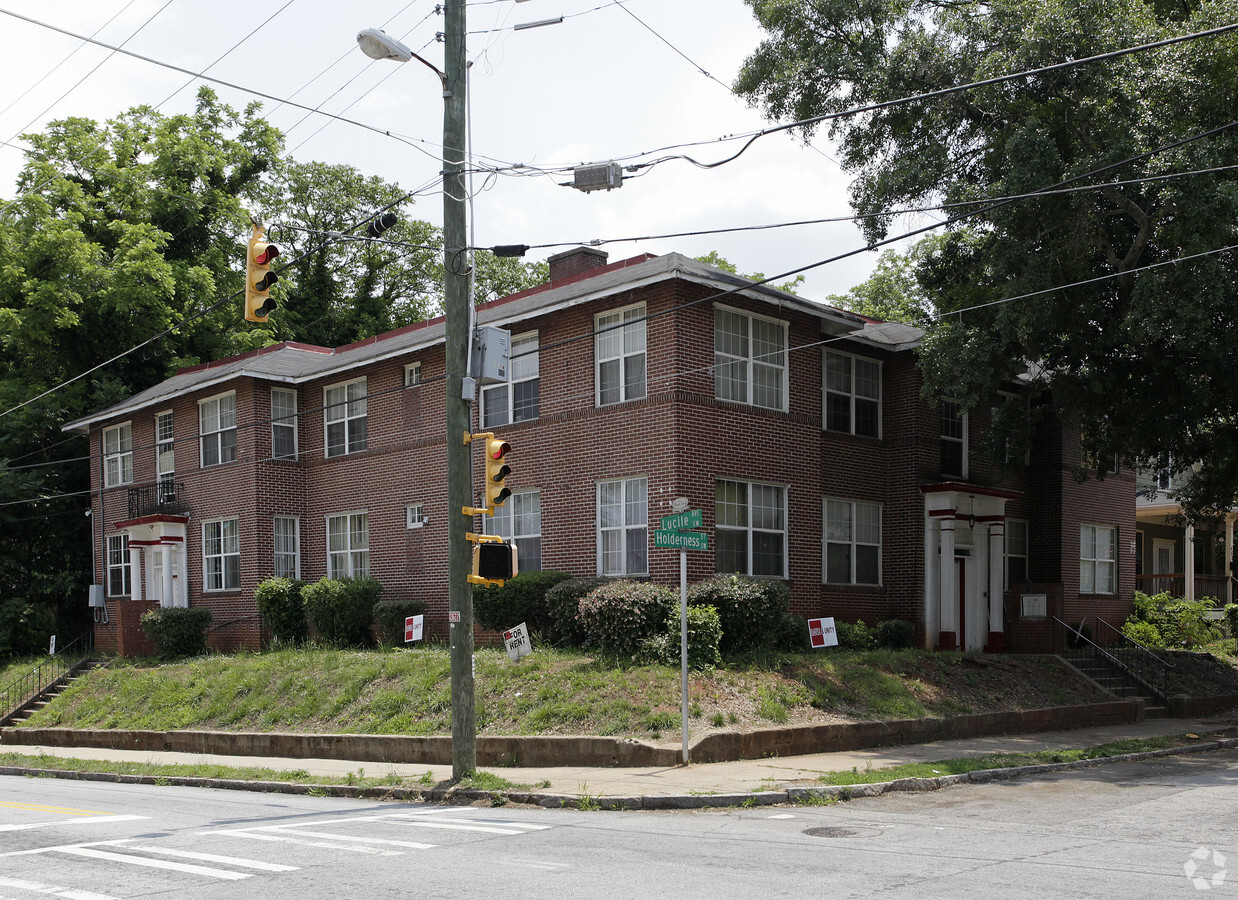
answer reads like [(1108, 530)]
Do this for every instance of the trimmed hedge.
[(341, 609), (619, 616), (704, 636), (282, 609), (563, 609), (751, 609), (389, 616), (178, 631), (520, 599), (895, 634)]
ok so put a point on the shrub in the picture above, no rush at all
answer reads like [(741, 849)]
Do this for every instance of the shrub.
[(791, 633), (704, 635), (283, 610), (341, 609), (1181, 624), (563, 609), (177, 631), (522, 599), (1143, 633), (750, 609), (618, 616), (1231, 618), (389, 616), (854, 635), (894, 634)]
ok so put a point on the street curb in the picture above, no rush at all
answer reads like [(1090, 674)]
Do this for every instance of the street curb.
[(466, 796)]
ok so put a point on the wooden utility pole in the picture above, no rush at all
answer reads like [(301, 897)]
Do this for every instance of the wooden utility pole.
[(459, 471)]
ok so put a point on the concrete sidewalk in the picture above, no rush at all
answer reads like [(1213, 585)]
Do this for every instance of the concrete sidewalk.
[(690, 781)]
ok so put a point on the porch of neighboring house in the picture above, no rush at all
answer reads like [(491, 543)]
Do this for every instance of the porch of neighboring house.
[(1182, 559)]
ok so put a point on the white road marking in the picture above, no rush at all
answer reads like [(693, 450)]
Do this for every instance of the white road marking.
[(88, 820), (70, 893), (254, 835), (485, 825), (355, 840), (91, 853), (225, 860), (783, 816)]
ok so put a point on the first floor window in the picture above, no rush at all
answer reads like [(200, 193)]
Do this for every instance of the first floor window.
[(520, 520), (348, 545), (751, 528), (287, 547), (1097, 562), (119, 577), (852, 542), (221, 555), (1016, 553), (623, 527), (118, 455)]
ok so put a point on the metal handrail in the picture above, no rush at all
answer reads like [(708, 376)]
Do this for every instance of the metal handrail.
[(26, 687), (1141, 662), (1096, 649)]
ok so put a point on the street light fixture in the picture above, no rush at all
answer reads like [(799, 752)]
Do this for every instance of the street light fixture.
[(377, 44)]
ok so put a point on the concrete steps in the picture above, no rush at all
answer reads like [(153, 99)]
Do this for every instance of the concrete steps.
[(1123, 686), (50, 693)]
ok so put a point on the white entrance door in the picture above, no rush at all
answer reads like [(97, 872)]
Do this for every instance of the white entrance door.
[(1162, 564)]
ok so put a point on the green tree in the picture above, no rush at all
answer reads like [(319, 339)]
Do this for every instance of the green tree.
[(1141, 359), (892, 292), (715, 259)]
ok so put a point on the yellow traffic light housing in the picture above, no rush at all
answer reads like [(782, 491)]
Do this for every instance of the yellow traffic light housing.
[(259, 278), (494, 559), (496, 472)]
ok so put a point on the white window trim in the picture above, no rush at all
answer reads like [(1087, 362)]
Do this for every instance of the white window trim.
[(750, 530), (1026, 556), (750, 358), (126, 570), (622, 528), (1096, 561), (223, 555), (329, 409), (349, 550), (504, 521), (288, 420), (296, 547), (412, 374), (852, 543), (965, 439), (851, 395), (414, 515), (204, 435), (512, 381), (170, 474), (619, 329), (118, 455)]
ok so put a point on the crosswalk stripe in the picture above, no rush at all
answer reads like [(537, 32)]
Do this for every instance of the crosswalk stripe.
[(457, 826), (474, 824), (68, 893), (224, 860), (253, 835), (355, 840), (153, 863)]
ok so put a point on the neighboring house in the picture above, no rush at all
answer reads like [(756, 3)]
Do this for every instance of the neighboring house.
[(1165, 541), (798, 429)]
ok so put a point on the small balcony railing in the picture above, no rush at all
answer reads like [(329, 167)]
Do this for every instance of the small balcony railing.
[(1174, 583), (162, 498)]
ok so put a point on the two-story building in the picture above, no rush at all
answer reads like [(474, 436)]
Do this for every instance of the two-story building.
[(798, 429)]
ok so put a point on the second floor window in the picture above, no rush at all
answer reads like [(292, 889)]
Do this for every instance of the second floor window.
[(750, 359), (852, 394), (620, 353), (345, 418), (217, 427), (953, 438), (283, 423), (517, 400), (118, 455), (520, 520), (165, 452)]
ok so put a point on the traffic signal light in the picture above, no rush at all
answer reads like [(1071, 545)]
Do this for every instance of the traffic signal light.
[(496, 472), (259, 278)]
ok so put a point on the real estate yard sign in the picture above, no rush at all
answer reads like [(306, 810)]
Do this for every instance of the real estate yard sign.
[(517, 642), (822, 634), (413, 626)]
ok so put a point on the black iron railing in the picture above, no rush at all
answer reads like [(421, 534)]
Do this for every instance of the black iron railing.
[(163, 497), (26, 687), (1113, 650)]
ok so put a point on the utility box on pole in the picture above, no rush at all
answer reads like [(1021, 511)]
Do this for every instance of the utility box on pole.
[(492, 353)]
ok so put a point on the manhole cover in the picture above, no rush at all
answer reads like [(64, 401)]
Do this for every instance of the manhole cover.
[(831, 831)]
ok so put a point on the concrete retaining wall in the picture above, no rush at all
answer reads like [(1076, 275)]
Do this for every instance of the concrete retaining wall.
[(604, 752)]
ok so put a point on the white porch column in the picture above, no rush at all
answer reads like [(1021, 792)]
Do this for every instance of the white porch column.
[(1188, 562), (1229, 558), (136, 572), (948, 638), (169, 558), (997, 580)]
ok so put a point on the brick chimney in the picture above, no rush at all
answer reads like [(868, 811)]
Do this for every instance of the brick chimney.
[(575, 262)]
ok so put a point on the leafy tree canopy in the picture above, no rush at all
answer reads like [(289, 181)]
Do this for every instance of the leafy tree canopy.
[(715, 259), (1142, 358)]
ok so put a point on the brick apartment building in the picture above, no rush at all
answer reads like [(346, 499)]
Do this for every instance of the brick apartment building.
[(798, 429)]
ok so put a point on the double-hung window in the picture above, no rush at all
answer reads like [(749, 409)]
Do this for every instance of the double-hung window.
[(119, 575), (217, 428), (623, 526), (287, 547), (750, 359), (517, 400), (1016, 553), (221, 555), (118, 455), (852, 542), (620, 352), (520, 520), (165, 448), (348, 545), (1097, 560), (852, 394), (751, 528), (345, 417), (953, 438), (283, 423)]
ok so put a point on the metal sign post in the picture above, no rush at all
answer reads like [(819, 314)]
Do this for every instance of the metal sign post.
[(671, 534)]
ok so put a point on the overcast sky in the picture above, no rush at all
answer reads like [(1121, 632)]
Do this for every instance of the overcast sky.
[(599, 86)]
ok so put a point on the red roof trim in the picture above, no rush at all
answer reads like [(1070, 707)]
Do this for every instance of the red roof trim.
[(959, 487)]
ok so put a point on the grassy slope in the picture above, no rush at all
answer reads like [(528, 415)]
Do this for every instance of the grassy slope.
[(550, 692)]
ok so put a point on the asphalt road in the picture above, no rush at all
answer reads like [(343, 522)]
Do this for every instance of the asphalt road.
[(1162, 828)]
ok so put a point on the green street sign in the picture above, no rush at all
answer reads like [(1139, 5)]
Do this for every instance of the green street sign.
[(680, 521), (688, 540)]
